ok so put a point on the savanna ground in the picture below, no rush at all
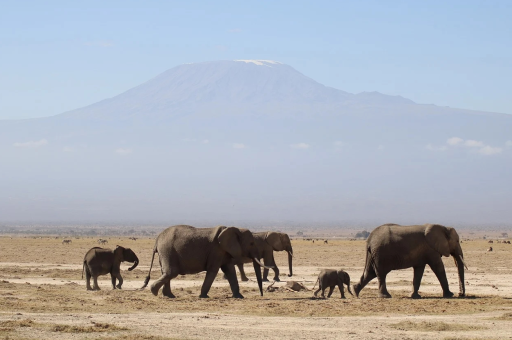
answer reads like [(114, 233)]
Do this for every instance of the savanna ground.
[(42, 296)]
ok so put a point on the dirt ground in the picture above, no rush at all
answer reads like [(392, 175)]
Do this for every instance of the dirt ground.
[(42, 296)]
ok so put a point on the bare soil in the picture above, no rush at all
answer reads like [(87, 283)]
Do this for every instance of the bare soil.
[(42, 295)]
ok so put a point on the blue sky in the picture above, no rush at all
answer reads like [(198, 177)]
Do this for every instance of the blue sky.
[(60, 55)]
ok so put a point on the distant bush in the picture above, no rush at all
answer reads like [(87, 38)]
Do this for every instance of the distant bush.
[(300, 233), (363, 234)]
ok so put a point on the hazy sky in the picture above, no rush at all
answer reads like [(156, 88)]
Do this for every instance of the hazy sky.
[(60, 55)]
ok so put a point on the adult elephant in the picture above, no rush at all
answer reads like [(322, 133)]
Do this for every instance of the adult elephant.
[(183, 249), (392, 246), (268, 242)]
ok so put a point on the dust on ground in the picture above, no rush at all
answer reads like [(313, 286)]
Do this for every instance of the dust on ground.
[(42, 295)]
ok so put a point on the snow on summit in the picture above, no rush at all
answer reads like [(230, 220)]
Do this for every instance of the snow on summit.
[(260, 62)]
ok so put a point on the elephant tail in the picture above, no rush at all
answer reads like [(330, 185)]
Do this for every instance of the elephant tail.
[(146, 281), (316, 283)]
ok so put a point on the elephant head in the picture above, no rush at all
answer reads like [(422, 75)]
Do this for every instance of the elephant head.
[(126, 255), (239, 243), (345, 278), (280, 242), (445, 241)]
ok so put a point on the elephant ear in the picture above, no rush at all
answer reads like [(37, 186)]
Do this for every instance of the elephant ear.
[(275, 240), (437, 238), (229, 240)]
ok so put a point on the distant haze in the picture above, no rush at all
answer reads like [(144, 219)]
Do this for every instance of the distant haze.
[(249, 140)]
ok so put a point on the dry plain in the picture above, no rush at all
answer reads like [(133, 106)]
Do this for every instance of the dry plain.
[(42, 296)]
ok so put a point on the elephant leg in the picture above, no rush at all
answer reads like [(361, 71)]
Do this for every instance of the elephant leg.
[(268, 260), (342, 290), (383, 291), (95, 283), (331, 289), (88, 280), (208, 280), (367, 276), (316, 292), (242, 272), (437, 267), (120, 279), (416, 282), (113, 279), (230, 273), (164, 280)]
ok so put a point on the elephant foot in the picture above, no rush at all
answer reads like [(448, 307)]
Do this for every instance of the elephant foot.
[(245, 279), (204, 296), (447, 294), (89, 289), (118, 286), (415, 296), (265, 279), (342, 297), (154, 290), (238, 296), (384, 295), (462, 295), (277, 279), (170, 295)]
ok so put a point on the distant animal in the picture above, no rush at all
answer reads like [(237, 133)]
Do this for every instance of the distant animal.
[(490, 241), (325, 241), (101, 261), (489, 249), (392, 246), (184, 250), (267, 243), (102, 241), (508, 242), (332, 278), (66, 241), (132, 238), (313, 241)]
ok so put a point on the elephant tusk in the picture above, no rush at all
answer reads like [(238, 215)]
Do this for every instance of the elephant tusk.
[(464, 263), (262, 265), (289, 252)]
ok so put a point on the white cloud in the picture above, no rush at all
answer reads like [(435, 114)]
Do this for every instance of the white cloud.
[(238, 146), (302, 146), (454, 141), (489, 150), (436, 148), (509, 143), (123, 152), (473, 143), (339, 143), (31, 144), (206, 141), (380, 147)]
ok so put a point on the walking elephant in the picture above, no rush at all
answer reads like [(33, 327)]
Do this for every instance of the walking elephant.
[(332, 278), (267, 243), (100, 261), (185, 250), (392, 246)]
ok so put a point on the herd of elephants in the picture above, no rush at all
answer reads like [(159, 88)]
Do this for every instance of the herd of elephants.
[(183, 250)]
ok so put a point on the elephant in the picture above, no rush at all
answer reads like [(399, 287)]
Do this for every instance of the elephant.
[(183, 249), (101, 261), (267, 243), (332, 278), (391, 246)]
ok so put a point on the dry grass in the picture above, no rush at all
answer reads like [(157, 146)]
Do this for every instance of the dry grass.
[(433, 326)]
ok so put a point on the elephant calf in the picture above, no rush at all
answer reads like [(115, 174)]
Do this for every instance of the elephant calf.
[(332, 278), (101, 261)]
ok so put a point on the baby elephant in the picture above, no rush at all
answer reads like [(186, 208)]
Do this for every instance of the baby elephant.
[(101, 261), (332, 278)]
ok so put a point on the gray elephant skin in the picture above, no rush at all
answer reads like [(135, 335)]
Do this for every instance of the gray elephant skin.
[(268, 242), (185, 250), (101, 261), (332, 278), (391, 246)]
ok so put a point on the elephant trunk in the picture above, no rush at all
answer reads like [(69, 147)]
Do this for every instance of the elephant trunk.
[(257, 271), (460, 267), (290, 260), (135, 264)]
